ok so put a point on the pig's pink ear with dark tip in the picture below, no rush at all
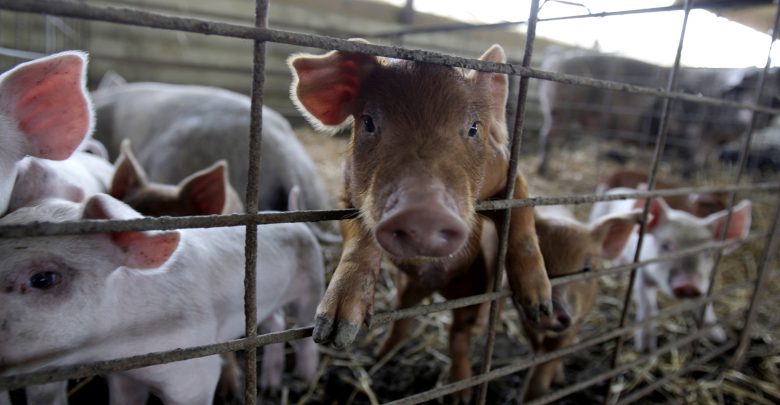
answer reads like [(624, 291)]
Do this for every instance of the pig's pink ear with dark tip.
[(206, 190), (141, 250), (129, 176), (325, 87), (45, 102)]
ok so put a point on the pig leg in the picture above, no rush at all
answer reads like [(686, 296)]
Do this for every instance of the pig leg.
[(525, 266), (229, 385), (349, 298), (543, 375), (646, 307), (409, 294), (123, 390), (716, 334), (189, 382), (55, 393), (273, 354), (463, 320), (307, 356), (5, 398)]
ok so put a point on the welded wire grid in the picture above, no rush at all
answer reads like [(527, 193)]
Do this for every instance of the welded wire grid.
[(260, 34)]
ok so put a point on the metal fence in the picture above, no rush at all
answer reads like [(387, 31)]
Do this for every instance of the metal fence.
[(261, 34)]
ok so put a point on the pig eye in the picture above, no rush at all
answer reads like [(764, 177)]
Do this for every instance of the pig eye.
[(473, 130), (665, 247), (368, 124), (45, 279)]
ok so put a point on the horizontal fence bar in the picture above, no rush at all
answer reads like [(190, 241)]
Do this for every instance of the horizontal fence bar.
[(161, 21), (628, 366), (506, 24), (543, 358), (213, 221), (637, 394), (109, 366)]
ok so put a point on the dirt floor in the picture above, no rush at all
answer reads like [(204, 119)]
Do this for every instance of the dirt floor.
[(421, 363)]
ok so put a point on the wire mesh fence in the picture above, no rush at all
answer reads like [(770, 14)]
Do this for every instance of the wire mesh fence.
[(261, 34)]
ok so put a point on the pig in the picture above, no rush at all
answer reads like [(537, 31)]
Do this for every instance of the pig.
[(698, 204), (177, 130), (426, 142), (694, 128), (571, 247), (188, 280), (205, 192), (669, 231), (45, 113)]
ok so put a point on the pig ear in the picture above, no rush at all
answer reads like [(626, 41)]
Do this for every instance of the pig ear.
[(45, 102), (739, 227), (659, 212), (496, 85), (142, 250), (207, 189), (325, 87), (111, 80), (614, 231), (129, 176)]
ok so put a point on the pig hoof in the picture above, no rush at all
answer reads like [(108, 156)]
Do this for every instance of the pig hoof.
[(339, 334), (717, 335), (345, 334), (533, 312), (323, 327)]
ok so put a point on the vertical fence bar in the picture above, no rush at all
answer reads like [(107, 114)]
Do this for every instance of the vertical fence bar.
[(253, 184), (657, 155), (515, 142), (763, 272), (742, 163)]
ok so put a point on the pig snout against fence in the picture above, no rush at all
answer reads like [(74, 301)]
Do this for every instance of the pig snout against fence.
[(607, 382)]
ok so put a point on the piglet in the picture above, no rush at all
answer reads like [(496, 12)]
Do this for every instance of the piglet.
[(570, 247), (667, 232), (189, 280), (44, 113), (205, 192), (698, 204)]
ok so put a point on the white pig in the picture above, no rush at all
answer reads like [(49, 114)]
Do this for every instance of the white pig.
[(44, 112), (72, 299), (669, 231)]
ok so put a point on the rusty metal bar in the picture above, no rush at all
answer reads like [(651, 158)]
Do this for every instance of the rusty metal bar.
[(627, 367), (636, 395), (262, 218), (770, 249), (742, 163), (542, 358), (515, 142), (252, 188), (657, 155), (161, 21), (501, 25), (102, 367)]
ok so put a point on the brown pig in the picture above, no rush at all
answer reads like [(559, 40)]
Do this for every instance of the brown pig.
[(571, 247), (698, 204), (207, 192), (427, 142)]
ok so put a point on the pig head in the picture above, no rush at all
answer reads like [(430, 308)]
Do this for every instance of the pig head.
[(570, 247), (44, 112), (426, 142), (206, 192)]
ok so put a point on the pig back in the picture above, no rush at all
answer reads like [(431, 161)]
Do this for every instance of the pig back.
[(598, 108), (177, 130)]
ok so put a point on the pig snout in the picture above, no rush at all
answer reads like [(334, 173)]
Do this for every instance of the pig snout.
[(685, 286), (421, 222), (558, 321)]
